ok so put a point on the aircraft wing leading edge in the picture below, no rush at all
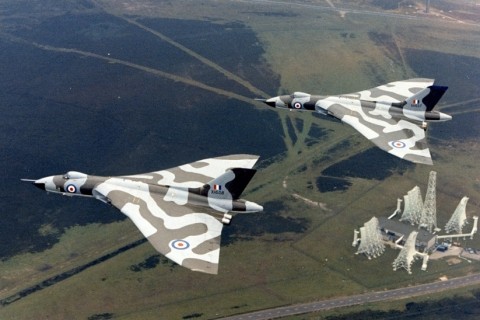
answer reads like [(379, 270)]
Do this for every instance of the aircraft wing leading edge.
[(198, 173), (396, 91)]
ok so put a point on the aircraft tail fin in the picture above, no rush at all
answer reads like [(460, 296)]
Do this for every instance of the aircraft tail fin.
[(425, 99), (229, 185)]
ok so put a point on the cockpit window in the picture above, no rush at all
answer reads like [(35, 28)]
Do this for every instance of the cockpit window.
[(300, 95), (74, 175)]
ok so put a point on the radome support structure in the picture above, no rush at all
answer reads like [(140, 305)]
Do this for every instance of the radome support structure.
[(407, 254), (371, 243), (458, 235), (413, 209), (398, 210), (355, 238), (428, 220), (459, 218), (372, 239)]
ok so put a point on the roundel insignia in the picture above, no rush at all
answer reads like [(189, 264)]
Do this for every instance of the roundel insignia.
[(397, 144), (179, 244), (297, 105), (71, 188)]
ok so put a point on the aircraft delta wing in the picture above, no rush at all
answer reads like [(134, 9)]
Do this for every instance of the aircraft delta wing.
[(197, 173), (393, 116), (396, 91), (181, 210)]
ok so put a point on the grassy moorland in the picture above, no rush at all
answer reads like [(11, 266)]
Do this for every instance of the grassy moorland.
[(270, 263)]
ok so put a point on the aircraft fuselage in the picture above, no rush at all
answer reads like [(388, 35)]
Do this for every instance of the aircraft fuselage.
[(76, 183), (300, 101)]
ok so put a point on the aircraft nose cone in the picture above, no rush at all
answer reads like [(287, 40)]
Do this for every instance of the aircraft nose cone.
[(272, 102), (45, 184), (39, 185), (275, 102)]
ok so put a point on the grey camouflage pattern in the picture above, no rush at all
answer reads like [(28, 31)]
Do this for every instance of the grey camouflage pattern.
[(181, 210), (393, 116)]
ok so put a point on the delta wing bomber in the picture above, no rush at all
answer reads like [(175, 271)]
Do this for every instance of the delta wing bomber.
[(181, 210), (393, 116)]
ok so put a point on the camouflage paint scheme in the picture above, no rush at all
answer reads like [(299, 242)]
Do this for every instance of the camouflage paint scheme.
[(393, 116), (181, 210)]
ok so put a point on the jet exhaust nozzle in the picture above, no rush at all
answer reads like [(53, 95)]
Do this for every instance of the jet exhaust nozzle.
[(252, 207)]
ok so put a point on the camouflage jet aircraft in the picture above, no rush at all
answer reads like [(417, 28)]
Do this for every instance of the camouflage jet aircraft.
[(181, 210), (394, 116)]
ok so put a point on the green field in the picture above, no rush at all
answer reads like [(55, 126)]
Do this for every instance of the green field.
[(316, 51)]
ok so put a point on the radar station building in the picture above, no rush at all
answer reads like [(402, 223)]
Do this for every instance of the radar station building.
[(416, 232), (395, 231)]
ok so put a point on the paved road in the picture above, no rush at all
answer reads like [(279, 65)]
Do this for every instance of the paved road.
[(359, 299)]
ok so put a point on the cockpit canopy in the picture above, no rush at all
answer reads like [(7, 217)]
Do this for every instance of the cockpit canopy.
[(298, 94), (74, 175)]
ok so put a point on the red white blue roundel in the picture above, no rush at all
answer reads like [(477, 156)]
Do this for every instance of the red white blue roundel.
[(297, 105), (71, 188), (179, 244), (397, 144)]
